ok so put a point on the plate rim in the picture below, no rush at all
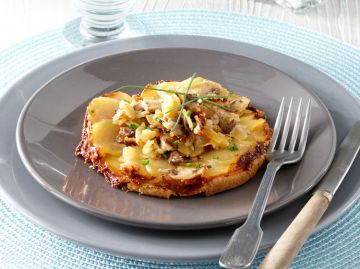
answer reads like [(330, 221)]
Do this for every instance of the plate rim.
[(329, 219), (21, 145)]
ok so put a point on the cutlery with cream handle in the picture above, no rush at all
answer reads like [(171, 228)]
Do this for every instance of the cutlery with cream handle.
[(291, 241)]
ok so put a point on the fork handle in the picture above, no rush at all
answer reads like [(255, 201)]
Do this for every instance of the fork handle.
[(244, 243), (287, 247)]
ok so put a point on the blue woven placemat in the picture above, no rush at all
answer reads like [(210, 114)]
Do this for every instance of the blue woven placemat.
[(25, 245)]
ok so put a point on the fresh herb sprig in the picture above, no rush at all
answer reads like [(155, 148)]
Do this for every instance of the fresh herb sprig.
[(233, 147), (193, 99), (184, 101), (196, 98), (178, 107), (133, 126), (201, 98), (145, 162), (146, 88)]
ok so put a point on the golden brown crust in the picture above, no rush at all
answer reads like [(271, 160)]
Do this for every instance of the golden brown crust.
[(244, 169), (233, 179)]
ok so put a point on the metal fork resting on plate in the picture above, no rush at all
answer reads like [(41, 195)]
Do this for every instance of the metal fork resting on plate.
[(244, 243)]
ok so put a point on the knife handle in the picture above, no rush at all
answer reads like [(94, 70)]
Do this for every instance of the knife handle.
[(287, 247)]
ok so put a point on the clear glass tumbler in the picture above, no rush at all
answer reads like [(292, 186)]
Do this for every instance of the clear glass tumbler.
[(299, 5), (103, 20)]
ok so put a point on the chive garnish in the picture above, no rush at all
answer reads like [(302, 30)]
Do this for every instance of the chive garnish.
[(133, 126), (185, 104), (202, 99), (209, 166), (197, 165), (176, 142), (196, 98), (213, 96), (146, 88), (145, 162), (233, 147), (206, 106), (184, 100), (188, 164), (157, 119)]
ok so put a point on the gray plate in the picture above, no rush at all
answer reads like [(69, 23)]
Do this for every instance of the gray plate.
[(27, 196), (50, 127)]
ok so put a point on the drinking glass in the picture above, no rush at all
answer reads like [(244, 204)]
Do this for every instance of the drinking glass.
[(101, 20), (299, 5)]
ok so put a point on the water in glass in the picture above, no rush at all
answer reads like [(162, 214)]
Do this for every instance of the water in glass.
[(103, 19), (299, 5)]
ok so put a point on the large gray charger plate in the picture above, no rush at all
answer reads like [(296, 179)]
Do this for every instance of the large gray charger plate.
[(50, 127), (27, 196)]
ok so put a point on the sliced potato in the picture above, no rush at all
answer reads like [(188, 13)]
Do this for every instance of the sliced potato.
[(119, 96), (169, 105), (217, 139), (168, 85), (149, 94), (220, 161), (102, 108), (114, 162), (239, 132), (204, 86), (157, 167), (216, 168), (255, 124), (131, 154), (104, 136)]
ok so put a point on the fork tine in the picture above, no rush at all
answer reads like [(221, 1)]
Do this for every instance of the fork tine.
[(277, 126), (286, 127), (295, 132), (305, 130)]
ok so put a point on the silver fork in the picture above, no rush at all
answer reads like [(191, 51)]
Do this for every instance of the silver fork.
[(244, 243)]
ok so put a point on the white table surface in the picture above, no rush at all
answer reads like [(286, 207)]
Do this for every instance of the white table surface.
[(20, 19)]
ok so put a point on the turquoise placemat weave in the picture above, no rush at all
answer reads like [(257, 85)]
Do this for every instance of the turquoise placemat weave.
[(25, 245)]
